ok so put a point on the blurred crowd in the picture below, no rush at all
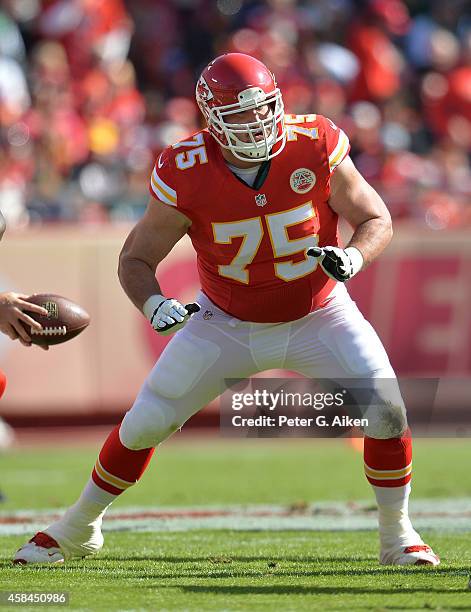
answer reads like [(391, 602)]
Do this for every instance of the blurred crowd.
[(92, 90)]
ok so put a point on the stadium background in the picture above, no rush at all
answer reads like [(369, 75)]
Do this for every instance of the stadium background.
[(90, 92)]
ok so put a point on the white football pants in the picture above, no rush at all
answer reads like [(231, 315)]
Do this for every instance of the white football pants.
[(333, 342)]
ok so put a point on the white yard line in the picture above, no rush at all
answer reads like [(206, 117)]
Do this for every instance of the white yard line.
[(438, 514)]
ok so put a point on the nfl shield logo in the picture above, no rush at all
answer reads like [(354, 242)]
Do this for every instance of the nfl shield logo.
[(260, 199), (52, 310)]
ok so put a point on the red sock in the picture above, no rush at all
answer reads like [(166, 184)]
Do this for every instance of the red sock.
[(388, 463), (3, 383), (117, 467)]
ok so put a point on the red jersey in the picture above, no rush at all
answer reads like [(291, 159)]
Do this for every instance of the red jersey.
[(251, 241)]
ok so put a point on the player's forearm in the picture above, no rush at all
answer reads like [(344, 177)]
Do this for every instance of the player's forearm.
[(371, 237), (138, 280)]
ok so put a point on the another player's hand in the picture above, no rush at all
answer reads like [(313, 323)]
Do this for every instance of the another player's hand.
[(338, 264), (169, 315), (13, 308)]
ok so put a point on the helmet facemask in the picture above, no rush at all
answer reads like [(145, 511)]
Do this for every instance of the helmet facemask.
[(258, 137)]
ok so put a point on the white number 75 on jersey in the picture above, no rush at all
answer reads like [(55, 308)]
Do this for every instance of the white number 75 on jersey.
[(251, 230)]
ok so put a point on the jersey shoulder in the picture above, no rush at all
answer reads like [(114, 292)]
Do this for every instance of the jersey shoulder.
[(323, 131), (298, 126), (185, 153), (176, 168), (336, 141)]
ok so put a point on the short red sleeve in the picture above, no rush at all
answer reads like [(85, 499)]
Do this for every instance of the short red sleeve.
[(162, 180), (338, 145)]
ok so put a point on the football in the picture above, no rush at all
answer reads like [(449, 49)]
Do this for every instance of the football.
[(64, 321)]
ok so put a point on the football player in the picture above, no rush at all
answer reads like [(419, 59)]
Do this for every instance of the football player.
[(259, 193)]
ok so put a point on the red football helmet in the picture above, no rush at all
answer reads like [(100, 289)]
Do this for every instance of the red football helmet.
[(233, 83)]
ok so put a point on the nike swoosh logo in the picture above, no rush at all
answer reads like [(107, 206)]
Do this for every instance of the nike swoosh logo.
[(158, 161)]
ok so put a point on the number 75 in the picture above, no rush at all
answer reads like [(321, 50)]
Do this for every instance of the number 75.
[(251, 230)]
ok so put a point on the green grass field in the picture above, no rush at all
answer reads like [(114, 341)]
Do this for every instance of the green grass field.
[(233, 568)]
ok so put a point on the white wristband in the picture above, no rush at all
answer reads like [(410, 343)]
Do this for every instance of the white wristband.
[(151, 304), (356, 258)]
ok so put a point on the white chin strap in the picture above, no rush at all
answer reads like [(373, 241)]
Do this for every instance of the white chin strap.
[(256, 152)]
